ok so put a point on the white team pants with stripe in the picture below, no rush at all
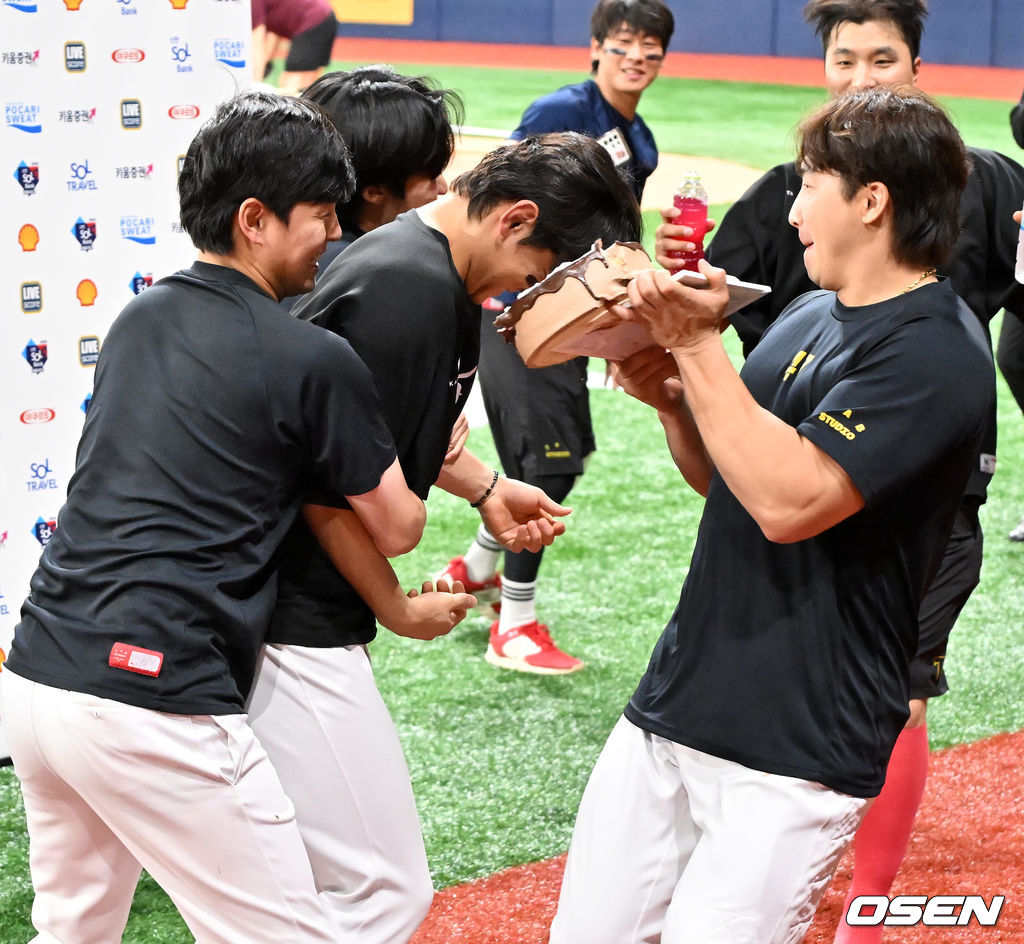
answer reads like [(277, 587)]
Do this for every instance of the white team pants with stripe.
[(674, 846), (321, 719), (110, 789)]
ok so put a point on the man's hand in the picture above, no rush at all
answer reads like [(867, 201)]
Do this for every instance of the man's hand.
[(651, 376), (431, 612), (460, 433), (676, 315), (521, 516), (671, 236)]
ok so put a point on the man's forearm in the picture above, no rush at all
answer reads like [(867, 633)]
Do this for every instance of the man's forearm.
[(789, 486)]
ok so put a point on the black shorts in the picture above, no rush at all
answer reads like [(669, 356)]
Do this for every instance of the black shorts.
[(958, 575), (312, 49), (539, 417)]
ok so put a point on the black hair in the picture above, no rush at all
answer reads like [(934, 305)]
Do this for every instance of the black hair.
[(580, 195), (394, 125), (277, 149), (641, 16), (906, 15), (902, 138)]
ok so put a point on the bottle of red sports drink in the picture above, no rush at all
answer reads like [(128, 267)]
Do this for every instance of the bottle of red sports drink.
[(692, 202)]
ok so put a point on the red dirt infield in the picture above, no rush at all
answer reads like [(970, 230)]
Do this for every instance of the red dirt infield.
[(967, 841)]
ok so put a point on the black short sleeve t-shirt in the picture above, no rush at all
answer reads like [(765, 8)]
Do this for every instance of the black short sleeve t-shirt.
[(397, 298), (214, 415), (793, 658)]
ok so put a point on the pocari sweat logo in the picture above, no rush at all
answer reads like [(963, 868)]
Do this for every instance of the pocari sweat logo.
[(27, 176), (23, 117), (25, 6), (229, 51), (138, 229), (127, 7), (180, 55)]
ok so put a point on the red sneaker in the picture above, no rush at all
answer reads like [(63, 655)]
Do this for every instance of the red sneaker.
[(487, 592), (529, 648)]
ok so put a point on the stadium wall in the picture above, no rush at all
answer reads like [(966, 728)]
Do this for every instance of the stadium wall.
[(968, 32)]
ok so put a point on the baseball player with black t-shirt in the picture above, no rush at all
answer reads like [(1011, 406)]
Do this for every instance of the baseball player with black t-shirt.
[(868, 43), (833, 466), (215, 415), (406, 296)]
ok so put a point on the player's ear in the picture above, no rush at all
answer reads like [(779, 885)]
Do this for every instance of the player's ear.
[(875, 201), (374, 193), (517, 219), (252, 219)]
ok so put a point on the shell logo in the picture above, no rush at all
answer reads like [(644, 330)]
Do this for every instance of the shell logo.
[(86, 293), (73, 5), (183, 111), (128, 55), (38, 415), (28, 238), (179, 4)]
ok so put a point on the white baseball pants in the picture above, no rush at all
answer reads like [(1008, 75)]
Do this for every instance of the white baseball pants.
[(320, 717), (674, 846), (110, 789)]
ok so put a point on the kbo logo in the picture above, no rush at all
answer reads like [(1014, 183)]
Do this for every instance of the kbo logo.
[(935, 912)]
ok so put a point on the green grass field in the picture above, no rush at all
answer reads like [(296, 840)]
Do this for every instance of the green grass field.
[(499, 759)]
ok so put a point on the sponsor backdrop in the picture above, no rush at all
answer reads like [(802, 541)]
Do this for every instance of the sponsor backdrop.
[(100, 99)]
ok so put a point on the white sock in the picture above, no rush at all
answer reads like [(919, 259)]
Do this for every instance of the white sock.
[(482, 557), (517, 604)]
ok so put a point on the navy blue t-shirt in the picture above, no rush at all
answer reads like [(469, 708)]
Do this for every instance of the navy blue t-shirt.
[(584, 109)]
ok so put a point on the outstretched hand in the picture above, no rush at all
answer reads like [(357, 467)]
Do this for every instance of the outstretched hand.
[(522, 517), (433, 612)]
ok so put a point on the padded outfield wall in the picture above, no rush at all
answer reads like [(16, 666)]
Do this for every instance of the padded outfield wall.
[(969, 32)]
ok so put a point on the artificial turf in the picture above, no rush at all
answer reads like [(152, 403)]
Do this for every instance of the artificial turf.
[(499, 759)]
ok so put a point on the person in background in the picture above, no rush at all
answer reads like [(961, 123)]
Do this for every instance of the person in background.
[(540, 418), (406, 295), (867, 44), (308, 26), (832, 467)]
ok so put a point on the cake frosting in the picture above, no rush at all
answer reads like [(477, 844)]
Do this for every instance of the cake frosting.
[(596, 279)]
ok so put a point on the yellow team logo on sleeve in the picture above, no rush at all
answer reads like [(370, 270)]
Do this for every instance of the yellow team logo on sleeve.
[(841, 427)]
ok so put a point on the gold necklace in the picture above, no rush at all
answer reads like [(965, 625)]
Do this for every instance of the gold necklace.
[(928, 273)]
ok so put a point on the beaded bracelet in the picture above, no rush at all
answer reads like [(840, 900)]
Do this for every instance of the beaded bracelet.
[(487, 494)]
